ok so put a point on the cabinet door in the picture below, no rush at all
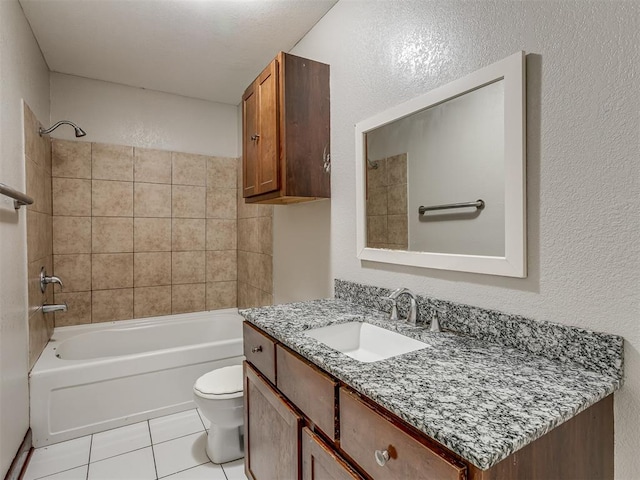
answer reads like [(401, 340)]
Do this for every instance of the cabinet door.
[(320, 462), (272, 431), (260, 134)]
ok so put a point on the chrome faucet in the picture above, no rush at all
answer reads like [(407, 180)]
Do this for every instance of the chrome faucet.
[(413, 308), (62, 307), (47, 279)]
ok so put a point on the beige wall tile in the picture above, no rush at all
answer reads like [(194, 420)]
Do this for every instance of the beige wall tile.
[(187, 267), (189, 169), (110, 305), (248, 235), (35, 180), (151, 301), (222, 172), (188, 201), (244, 272), (397, 200), (221, 295), (247, 210), (222, 265), (111, 199), (221, 203), (79, 308), (188, 298), (377, 201), (221, 234), (74, 271), (249, 296), (377, 177), (48, 196), (39, 327), (397, 170), (71, 235), (71, 196), (39, 235), (152, 166), (70, 159), (376, 229), (265, 228), (112, 162), (152, 200), (151, 269), (112, 234), (398, 230), (152, 234), (259, 270), (37, 148), (188, 234), (111, 270)]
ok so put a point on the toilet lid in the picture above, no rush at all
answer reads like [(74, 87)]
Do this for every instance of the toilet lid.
[(222, 381)]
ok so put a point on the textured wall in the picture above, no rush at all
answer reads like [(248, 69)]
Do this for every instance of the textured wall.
[(25, 76), (583, 144)]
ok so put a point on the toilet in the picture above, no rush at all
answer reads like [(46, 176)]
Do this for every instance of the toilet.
[(219, 396)]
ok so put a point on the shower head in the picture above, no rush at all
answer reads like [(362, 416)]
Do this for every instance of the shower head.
[(79, 131)]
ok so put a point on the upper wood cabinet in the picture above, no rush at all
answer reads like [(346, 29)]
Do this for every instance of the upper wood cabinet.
[(286, 134)]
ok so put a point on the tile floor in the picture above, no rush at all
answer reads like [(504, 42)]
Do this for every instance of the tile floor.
[(170, 447)]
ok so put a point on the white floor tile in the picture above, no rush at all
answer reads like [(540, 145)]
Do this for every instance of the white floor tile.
[(180, 454), (174, 426), (58, 457), (79, 473), (205, 420), (120, 440), (208, 471), (136, 465), (234, 470)]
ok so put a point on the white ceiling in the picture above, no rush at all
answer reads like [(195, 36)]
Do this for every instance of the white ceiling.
[(209, 49)]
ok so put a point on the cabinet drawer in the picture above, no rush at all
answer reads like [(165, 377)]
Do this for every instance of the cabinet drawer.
[(309, 389), (260, 351), (321, 462), (364, 431)]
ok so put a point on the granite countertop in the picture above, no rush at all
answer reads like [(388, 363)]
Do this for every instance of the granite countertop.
[(480, 399)]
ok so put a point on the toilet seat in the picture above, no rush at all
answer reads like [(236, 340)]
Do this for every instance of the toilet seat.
[(220, 384)]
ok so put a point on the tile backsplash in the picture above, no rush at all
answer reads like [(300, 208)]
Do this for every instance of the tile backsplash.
[(140, 232)]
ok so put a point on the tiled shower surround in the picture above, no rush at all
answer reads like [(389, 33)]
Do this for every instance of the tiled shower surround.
[(140, 232), (387, 222), (38, 186)]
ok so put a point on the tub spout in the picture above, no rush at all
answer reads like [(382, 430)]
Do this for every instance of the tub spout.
[(62, 307)]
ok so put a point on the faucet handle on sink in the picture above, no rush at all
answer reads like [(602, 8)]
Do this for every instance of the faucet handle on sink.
[(394, 307)]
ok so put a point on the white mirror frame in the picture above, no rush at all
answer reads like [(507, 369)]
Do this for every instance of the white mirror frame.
[(514, 262)]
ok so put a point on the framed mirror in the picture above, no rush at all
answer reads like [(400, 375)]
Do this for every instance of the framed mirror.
[(440, 179)]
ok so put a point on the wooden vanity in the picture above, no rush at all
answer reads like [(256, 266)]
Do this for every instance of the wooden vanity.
[(302, 423)]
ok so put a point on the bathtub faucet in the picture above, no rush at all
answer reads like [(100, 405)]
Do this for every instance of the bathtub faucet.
[(61, 307), (47, 279)]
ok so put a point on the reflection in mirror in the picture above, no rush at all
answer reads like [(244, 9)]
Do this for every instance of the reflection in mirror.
[(452, 152), (460, 145)]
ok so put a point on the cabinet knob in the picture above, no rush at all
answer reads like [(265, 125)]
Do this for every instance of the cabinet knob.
[(255, 137), (257, 349), (382, 457)]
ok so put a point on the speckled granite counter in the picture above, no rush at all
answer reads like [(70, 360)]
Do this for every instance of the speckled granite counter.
[(480, 399)]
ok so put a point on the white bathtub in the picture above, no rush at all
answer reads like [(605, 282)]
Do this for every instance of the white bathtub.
[(96, 377)]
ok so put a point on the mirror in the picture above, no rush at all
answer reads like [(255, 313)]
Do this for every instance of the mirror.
[(441, 178)]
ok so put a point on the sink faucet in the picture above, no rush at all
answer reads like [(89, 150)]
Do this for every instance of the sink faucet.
[(413, 309)]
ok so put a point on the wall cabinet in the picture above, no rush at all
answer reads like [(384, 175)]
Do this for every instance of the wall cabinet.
[(304, 424), (286, 133)]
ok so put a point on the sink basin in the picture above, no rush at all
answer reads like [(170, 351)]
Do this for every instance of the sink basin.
[(365, 342)]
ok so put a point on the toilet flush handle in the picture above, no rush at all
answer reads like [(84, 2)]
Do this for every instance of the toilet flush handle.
[(257, 349)]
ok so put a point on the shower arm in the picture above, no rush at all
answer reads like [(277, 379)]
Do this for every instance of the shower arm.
[(79, 131)]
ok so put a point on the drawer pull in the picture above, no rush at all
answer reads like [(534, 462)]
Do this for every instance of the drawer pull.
[(382, 457), (257, 349)]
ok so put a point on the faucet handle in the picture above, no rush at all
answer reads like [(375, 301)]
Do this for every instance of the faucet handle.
[(46, 280), (394, 307)]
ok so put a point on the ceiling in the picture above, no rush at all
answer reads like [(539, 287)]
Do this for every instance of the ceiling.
[(208, 49)]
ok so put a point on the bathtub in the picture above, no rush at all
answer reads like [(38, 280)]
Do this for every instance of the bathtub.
[(92, 378)]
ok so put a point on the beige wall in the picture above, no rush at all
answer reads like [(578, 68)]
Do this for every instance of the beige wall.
[(583, 98), (140, 232), (37, 160), (24, 75)]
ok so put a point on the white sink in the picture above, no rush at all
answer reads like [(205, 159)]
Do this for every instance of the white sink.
[(365, 342)]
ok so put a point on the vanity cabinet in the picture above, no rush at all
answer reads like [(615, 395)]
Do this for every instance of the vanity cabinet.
[(302, 423), (286, 134)]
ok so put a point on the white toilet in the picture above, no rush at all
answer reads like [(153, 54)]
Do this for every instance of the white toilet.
[(219, 396)]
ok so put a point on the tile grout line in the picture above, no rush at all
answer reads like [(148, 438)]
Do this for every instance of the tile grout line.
[(89, 459), (153, 452)]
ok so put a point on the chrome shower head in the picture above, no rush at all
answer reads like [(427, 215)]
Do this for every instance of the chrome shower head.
[(79, 131)]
